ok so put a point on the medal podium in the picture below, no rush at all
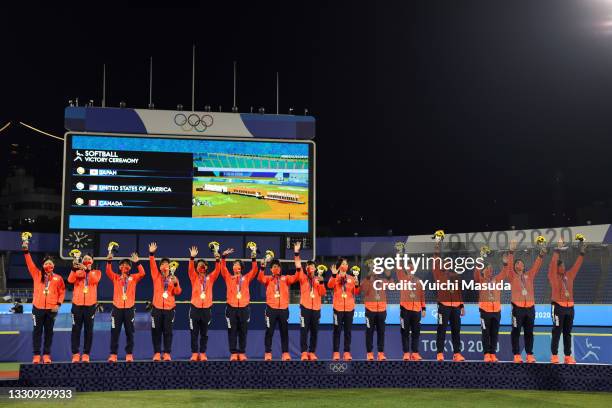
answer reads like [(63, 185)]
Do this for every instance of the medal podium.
[(257, 374)]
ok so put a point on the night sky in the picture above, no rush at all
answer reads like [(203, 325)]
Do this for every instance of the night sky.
[(467, 116)]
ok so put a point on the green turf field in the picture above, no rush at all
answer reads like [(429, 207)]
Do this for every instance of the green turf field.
[(9, 366), (331, 398)]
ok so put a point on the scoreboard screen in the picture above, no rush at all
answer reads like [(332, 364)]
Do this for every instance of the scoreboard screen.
[(165, 184)]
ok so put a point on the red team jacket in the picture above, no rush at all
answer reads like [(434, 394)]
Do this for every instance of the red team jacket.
[(49, 288), (233, 281), (163, 284), (343, 303), (203, 284), (124, 286), (85, 283)]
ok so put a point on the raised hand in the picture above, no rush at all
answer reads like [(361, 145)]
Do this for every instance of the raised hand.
[(513, 245), (296, 246), (152, 247), (109, 257), (334, 270), (560, 243), (134, 257), (228, 251), (193, 251)]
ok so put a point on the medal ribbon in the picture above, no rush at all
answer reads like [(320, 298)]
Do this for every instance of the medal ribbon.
[(343, 280), (564, 283), (48, 280), (523, 282), (203, 284), (277, 284), (86, 279), (166, 282), (240, 283)]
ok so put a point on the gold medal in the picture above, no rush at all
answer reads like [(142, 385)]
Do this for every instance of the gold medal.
[(412, 295), (276, 294), (165, 295), (238, 295), (524, 292), (312, 294), (86, 290), (344, 295), (377, 296), (46, 292), (124, 297), (491, 297), (202, 296), (567, 294)]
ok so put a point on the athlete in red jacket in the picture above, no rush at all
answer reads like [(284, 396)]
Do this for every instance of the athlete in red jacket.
[(412, 309), (489, 305), (49, 292), (523, 303), (562, 299), (345, 289), (450, 307), (165, 287), (201, 302), (84, 300), (124, 299), (311, 290), (237, 312), (277, 306)]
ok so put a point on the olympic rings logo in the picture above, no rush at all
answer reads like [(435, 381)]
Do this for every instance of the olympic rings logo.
[(338, 367), (193, 122)]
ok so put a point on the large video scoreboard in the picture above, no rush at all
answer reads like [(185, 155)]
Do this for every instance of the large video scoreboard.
[(182, 191)]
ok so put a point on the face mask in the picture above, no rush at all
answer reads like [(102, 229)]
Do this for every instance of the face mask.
[(276, 271), (310, 270), (48, 268), (343, 268), (164, 268), (237, 269), (88, 262), (124, 268)]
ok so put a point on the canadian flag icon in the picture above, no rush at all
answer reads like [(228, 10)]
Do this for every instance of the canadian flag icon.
[(93, 203)]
